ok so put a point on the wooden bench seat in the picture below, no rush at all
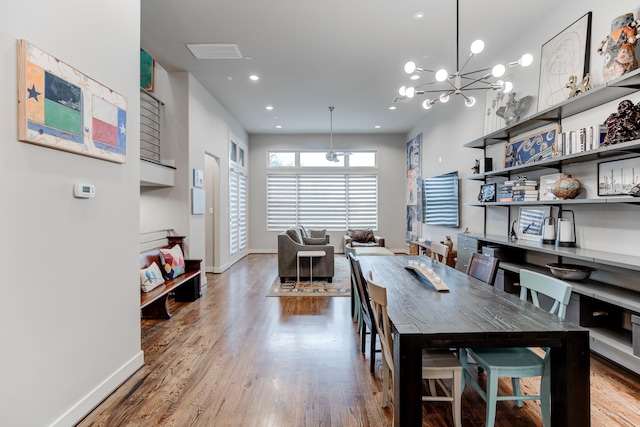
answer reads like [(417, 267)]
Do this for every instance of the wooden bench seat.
[(184, 288)]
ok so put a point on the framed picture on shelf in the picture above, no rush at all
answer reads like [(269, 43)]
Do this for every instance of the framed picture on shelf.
[(532, 148), (617, 177), (546, 184), (487, 193), (565, 55), (530, 220)]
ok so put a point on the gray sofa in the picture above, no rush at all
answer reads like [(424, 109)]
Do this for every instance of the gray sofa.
[(297, 238)]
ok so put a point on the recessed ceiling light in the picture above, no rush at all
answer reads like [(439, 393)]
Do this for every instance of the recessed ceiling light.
[(229, 78), (377, 126), (392, 108), (414, 77), (254, 77), (269, 107), (278, 126), (418, 15)]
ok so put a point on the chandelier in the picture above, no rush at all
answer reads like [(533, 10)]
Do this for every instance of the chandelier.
[(461, 82)]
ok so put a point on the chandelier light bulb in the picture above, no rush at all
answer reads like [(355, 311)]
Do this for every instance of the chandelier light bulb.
[(410, 92), (410, 67), (526, 60), (477, 46), (415, 77), (470, 101), (498, 70), (508, 87), (444, 97), (442, 75), (427, 104), (402, 91)]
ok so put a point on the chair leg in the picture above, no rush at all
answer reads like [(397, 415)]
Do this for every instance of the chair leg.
[(363, 338), (432, 387), (515, 385), (492, 395), (463, 357), (372, 350), (545, 398), (456, 392), (385, 385)]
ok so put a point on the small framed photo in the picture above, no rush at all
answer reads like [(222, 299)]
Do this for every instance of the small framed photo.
[(530, 220), (487, 193), (546, 185), (617, 177), (198, 178)]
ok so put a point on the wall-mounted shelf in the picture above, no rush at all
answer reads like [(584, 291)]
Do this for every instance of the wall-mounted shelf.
[(596, 201), (629, 147), (622, 86)]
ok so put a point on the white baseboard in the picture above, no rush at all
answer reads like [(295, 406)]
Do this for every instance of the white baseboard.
[(78, 411)]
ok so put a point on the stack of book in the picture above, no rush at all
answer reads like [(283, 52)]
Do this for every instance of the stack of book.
[(524, 191), (505, 193)]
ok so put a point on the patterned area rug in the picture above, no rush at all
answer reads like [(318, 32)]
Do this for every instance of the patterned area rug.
[(339, 287)]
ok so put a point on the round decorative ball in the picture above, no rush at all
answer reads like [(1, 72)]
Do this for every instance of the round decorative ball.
[(566, 187)]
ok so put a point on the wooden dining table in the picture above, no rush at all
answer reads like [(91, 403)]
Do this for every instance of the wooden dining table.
[(474, 314)]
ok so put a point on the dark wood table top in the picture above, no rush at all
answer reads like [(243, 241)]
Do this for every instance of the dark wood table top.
[(472, 313)]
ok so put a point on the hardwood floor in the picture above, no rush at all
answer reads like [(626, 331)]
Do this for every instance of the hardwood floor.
[(238, 358)]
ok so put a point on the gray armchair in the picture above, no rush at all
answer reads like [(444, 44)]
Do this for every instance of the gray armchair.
[(296, 239)]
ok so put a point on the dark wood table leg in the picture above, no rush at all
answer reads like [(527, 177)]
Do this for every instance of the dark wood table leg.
[(570, 382), (407, 377)]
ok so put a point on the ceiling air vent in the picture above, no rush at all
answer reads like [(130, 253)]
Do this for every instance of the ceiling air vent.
[(214, 51)]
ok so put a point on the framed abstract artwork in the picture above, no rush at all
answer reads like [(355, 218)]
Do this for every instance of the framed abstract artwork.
[(61, 108), (532, 148), (565, 55), (146, 71), (530, 220)]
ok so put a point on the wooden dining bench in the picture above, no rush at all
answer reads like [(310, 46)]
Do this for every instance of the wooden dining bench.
[(184, 288)]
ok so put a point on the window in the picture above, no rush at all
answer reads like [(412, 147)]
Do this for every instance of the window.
[(440, 204), (151, 110), (237, 211), (332, 201), (318, 159), (282, 159)]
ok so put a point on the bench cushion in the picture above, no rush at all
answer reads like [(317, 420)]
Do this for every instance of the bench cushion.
[(172, 262), (150, 277)]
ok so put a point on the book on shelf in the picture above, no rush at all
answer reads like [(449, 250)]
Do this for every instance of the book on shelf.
[(517, 198), (525, 192), (505, 199), (524, 187)]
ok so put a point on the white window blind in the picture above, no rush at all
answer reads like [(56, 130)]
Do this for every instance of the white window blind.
[(233, 211), (332, 201), (242, 212), (440, 204)]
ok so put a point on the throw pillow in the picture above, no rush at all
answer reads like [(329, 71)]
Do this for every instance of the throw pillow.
[(314, 240), (295, 236), (172, 262), (362, 236), (151, 277), (317, 233)]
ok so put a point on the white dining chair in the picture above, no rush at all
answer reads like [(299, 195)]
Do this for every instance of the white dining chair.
[(439, 252), (436, 366)]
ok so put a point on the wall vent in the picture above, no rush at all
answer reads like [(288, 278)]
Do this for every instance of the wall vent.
[(214, 51)]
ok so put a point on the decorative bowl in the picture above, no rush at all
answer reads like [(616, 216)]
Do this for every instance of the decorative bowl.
[(570, 271)]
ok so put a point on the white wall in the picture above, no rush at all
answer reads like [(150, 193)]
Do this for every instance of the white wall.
[(70, 283), (391, 182), (168, 207), (446, 128), (209, 128)]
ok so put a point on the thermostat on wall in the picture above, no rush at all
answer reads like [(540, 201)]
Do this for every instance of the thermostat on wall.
[(84, 191)]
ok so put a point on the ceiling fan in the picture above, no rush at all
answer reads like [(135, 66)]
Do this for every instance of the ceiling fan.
[(331, 155)]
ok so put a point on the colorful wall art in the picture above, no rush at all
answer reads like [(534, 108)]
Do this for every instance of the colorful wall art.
[(59, 107), (532, 148), (414, 189)]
